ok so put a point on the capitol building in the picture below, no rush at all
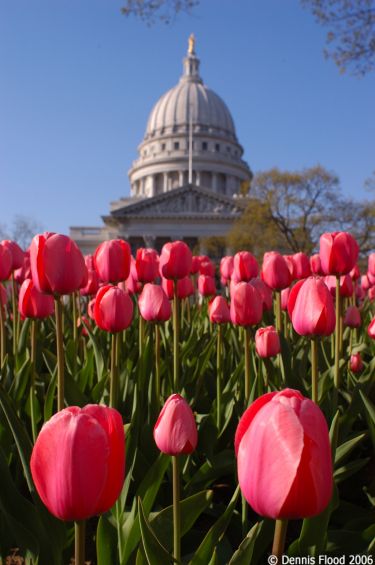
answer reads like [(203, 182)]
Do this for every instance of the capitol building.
[(185, 183)]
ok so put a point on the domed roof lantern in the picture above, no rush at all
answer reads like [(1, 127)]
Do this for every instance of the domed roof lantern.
[(191, 63)]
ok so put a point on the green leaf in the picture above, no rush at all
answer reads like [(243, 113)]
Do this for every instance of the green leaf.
[(344, 449), (211, 539), (106, 542), (370, 414), (334, 433), (156, 554), (349, 469), (221, 464), (97, 352), (23, 335), (244, 554), (49, 398)]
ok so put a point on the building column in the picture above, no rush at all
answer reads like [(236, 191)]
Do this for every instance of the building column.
[(143, 183), (152, 185), (214, 182), (165, 182), (180, 178), (198, 178)]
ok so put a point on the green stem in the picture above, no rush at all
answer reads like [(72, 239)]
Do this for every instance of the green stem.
[(244, 518), (337, 337), (247, 364), (176, 510), (218, 375), (113, 390), (33, 335), (141, 329), (314, 370), (15, 315), (279, 538), (278, 312), (157, 363), (2, 334), (60, 354), (79, 546), (176, 339)]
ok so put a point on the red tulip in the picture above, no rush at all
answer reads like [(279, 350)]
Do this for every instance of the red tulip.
[(302, 268), (284, 298), (90, 309), (175, 260), (3, 295), (16, 251), (112, 260), (195, 264), (315, 264), (371, 329), (284, 457), (207, 268), (57, 264), (245, 266), (113, 309), (78, 461), (290, 262), (226, 267), (313, 312), (352, 317), (34, 304), (147, 265), (293, 293), (185, 287), (175, 431), (365, 283), (6, 261), (153, 304), (371, 264), (206, 285), (371, 278), (267, 342), (92, 284), (356, 363), (275, 271), (264, 291), (355, 273), (218, 310), (338, 253), (246, 307), (23, 272), (346, 285)]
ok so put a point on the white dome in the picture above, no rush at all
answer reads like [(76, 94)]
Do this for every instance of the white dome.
[(209, 112)]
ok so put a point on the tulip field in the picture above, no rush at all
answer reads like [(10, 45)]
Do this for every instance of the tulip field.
[(170, 408)]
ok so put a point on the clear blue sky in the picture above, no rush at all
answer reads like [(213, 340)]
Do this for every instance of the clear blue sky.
[(78, 81)]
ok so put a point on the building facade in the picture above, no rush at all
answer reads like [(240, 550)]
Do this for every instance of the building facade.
[(185, 183)]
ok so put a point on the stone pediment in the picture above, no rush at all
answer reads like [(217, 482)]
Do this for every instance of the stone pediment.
[(185, 201)]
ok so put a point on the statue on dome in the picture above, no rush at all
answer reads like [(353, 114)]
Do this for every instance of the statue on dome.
[(191, 48)]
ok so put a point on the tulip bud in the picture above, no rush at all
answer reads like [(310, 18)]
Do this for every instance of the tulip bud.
[(78, 461), (112, 260), (16, 252), (302, 268), (34, 304), (175, 260), (153, 304), (356, 363), (113, 309), (57, 264), (245, 266), (226, 267), (218, 310), (206, 285), (275, 271), (175, 431), (338, 253), (246, 307), (283, 450), (267, 342), (352, 317), (147, 265), (313, 312)]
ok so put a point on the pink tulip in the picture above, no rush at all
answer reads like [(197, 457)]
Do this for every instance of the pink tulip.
[(147, 265), (246, 307), (302, 268), (175, 431), (346, 285), (284, 298), (284, 456), (275, 271), (365, 283), (3, 295), (371, 329), (371, 278), (293, 293), (226, 267), (207, 268), (371, 294), (16, 252), (218, 310), (206, 285), (113, 309), (245, 266), (57, 264), (34, 304), (195, 264), (153, 304), (315, 264), (267, 342), (352, 317), (78, 461), (313, 312), (264, 291), (112, 260), (5, 263), (371, 264), (356, 363), (175, 260), (23, 272), (92, 284), (355, 273), (338, 253), (290, 262), (185, 287)]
